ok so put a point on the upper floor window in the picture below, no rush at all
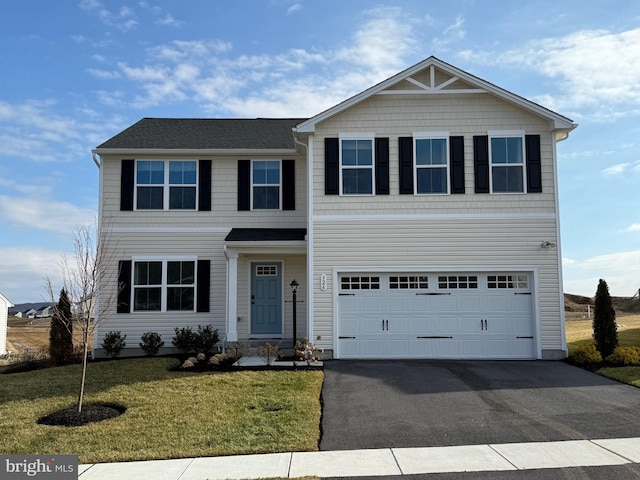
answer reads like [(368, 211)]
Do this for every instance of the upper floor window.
[(431, 156), (166, 185), (506, 153), (356, 165), (266, 181)]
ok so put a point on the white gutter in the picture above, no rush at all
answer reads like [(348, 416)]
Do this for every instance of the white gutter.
[(95, 160)]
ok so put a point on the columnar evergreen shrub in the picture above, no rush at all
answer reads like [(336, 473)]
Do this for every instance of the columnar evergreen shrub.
[(605, 332), (206, 338), (184, 339), (61, 333)]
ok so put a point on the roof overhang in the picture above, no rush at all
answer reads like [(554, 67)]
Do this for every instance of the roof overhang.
[(134, 152), (267, 240)]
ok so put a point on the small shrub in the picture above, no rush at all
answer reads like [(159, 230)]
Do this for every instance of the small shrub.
[(151, 343), (585, 356), (624, 357), (222, 360), (113, 343), (205, 339), (184, 340), (269, 353), (237, 350)]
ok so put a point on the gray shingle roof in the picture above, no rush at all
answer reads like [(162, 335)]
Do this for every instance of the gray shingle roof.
[(206, 133)]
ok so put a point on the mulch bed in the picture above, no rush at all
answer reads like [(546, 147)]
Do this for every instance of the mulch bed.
[(91, 413)]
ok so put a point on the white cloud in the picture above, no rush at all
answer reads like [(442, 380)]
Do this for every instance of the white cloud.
[(453, 33), (294, 83), (582, 62), (621, 270), (294, 8), (169, 21), (24, 271), (616, 169), (104, 74), (123, 19), (635, 227), (43, 214)]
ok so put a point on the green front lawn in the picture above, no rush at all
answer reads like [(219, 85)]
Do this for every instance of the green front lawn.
[(169, 414), (580, 333)]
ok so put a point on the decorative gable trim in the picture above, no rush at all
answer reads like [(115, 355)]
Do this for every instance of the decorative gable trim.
[(563, 124)]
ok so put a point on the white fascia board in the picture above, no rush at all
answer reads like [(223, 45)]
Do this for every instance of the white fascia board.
[(192, 152)]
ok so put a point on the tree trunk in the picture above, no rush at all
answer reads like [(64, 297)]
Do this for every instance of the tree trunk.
[(85, 341)]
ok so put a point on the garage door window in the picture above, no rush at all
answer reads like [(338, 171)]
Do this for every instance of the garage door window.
[(457, 281), (360, 283), (408, 282), (508, 281)]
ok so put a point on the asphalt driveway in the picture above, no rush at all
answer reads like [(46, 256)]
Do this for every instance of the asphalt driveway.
[(421, 403)]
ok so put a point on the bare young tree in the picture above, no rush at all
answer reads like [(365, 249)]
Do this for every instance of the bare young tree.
[(83, 277)]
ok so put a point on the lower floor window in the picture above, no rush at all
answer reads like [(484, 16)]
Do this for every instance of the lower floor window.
[(164, 286)]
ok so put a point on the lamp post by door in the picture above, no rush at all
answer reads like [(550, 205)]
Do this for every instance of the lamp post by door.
[(294, 290)]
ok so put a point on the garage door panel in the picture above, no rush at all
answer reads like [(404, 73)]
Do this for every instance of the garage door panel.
[(372, 348), (398, 305), (446, 304), (450, 316), (448, 324), (423, 325), (471, 347), (469, 303)]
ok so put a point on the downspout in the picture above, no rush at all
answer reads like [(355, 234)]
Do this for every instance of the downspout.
[(96, 306), (309, 236)]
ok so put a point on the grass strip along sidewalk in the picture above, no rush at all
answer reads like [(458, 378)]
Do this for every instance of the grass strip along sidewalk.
[(170, 414)]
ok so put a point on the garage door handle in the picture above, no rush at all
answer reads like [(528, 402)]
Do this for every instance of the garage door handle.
[(524, 337), (435, 336), (434, 293), (522, 293), (341, 338), (346, 294)]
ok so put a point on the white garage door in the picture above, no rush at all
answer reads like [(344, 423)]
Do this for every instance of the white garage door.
[(452, 315)]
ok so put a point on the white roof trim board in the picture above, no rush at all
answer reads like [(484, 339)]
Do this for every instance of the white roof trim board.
[(560, 123)]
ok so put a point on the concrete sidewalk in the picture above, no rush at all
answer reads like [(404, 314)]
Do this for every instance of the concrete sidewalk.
[(387, 461)]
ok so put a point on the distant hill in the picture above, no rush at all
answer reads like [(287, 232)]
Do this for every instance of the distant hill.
[(578, 303)]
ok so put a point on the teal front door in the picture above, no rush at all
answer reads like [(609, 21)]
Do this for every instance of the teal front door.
[(266, 298)]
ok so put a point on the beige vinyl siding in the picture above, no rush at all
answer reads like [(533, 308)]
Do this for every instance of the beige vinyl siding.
[(438, 245), (204, 246), (294, 266), (400, 116), (224, 199)]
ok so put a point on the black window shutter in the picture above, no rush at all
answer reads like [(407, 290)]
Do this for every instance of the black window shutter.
[(204, 185), (405, 146), (204, 285), (331, 166), (124, 286), (481, 163), (534, 164), (244, 185), (382, 166), (456, 156), (288, 184), (127, 178)]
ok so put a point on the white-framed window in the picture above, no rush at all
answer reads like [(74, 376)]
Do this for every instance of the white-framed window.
[(356, 164), (431, 163), (164, 285), (507, 281), (458, 281), (507, 157), (166, 184), (266, 181), (360, 283), (408, 282)]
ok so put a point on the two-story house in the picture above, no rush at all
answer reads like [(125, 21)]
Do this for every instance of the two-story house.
[(419, 217)]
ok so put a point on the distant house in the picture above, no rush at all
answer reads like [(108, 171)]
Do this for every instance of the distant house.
[(4, 309), (31, 313), (45, 312)]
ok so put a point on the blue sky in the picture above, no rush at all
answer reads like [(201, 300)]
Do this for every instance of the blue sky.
[(74, 73)]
